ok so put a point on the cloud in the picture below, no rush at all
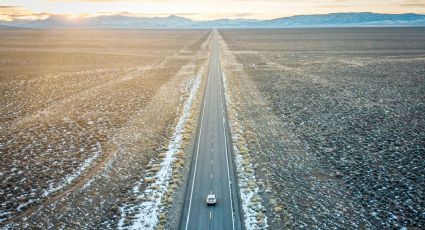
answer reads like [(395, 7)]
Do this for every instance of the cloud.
[(88, 0), (132, 14), (412, 3), (244, 14), (11, 13), (7, 7)]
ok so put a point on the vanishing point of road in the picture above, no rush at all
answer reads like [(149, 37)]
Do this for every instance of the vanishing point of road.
[(212, 170)]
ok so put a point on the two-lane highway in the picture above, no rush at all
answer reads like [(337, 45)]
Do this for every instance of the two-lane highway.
[(212, 169)]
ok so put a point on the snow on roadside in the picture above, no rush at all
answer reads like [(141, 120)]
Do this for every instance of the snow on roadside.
[(145, 215), (252, 207)]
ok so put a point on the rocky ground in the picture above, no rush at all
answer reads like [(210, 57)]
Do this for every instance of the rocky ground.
[(82, 113), (334, 121)]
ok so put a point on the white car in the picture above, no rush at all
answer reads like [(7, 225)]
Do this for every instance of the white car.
[(211, 200)]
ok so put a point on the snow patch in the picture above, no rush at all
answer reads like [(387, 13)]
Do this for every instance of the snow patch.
[(145, 215), (54, 187), (106, 169), (251, 201), (70, 178)]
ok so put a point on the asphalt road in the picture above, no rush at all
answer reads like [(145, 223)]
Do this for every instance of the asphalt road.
[(212, 169)]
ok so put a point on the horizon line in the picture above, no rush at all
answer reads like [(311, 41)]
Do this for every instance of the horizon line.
[(46, 15)]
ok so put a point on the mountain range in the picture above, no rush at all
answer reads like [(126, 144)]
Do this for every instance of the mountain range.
[(173, 21)]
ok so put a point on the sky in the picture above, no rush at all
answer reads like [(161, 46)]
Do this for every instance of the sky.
[(201, 9)]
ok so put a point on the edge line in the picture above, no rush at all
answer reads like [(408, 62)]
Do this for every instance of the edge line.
[(197, 150)]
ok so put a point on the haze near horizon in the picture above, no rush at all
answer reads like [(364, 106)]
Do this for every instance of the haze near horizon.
[(200, 10)]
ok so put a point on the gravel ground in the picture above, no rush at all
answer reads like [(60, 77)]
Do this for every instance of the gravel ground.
[(339, 122)]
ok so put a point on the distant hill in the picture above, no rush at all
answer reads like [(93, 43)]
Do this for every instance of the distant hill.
[(3, 27), (346, 19), (173, 21)]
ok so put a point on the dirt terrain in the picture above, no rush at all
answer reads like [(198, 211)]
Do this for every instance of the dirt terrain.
[(327, 125), (334, 123), (82, 113)]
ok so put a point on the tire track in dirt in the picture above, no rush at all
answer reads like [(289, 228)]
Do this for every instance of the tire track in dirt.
[(87, 92), (109, 148)]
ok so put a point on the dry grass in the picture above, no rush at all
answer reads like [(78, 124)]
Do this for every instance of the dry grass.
[(337, 115), (69, 95)]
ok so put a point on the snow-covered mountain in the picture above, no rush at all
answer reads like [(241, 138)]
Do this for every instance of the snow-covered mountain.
[(173, 21), (346, 19)]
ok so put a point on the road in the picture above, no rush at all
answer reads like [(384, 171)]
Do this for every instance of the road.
[(212, 170)]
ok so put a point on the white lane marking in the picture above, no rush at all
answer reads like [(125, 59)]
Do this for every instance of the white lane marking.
[(210, 215), (211, 175), (227, 153), (197, 153)]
